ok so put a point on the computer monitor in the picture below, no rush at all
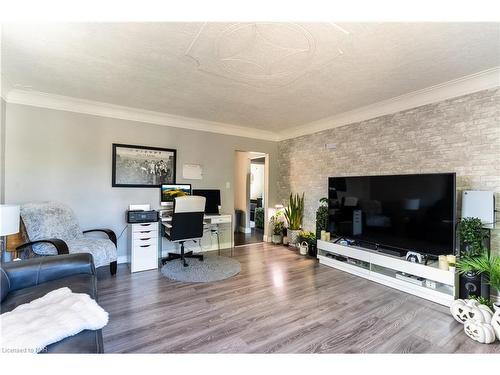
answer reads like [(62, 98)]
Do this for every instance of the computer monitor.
[(170, 191), (212, 197)]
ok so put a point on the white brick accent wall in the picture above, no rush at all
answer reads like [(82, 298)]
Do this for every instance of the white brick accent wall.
[(459, 135)]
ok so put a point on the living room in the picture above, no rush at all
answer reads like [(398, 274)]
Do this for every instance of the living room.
[(129, 149)]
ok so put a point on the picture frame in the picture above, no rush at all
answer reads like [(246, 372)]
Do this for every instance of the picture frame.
[(142, 166)]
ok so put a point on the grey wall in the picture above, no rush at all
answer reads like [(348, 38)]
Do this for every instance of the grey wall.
[(459, 135), (65, 156), (2, 149)]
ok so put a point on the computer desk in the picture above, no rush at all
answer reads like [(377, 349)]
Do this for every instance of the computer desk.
[(210, 220)]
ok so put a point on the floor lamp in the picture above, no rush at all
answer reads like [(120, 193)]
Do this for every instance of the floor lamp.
[(9, 224)]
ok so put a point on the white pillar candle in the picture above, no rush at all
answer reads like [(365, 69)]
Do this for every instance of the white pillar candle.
[(443, 262), (451, 259)]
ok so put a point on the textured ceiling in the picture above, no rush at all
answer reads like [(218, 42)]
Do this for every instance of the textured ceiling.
[(272, 76)]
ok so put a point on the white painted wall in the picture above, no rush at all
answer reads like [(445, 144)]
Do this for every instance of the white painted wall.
[(242, 187), (257, 180), (65, 156)]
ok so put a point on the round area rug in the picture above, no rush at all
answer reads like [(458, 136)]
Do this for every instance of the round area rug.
[(213, 268)]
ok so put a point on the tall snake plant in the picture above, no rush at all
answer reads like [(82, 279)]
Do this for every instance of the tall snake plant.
[(294, 213)]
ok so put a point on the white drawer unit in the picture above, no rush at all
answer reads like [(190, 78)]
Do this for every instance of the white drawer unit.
[(141, 227), (143, 245)]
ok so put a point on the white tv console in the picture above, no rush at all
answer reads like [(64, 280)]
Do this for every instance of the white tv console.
[(382, 268)]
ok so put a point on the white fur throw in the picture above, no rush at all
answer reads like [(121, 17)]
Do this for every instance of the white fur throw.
[(30, 327)]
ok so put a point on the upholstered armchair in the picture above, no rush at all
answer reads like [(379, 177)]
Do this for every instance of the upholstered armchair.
[(51, 228)]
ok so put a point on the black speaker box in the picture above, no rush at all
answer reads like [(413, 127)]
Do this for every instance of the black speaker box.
[(470, 285)]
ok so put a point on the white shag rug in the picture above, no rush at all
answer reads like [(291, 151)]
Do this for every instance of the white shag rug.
[(30, 327)]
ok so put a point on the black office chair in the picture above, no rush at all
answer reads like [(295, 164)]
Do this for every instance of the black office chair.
[(186, 225)]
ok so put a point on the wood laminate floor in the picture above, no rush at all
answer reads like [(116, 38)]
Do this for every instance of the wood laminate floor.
[(255, 236), (280, 302)]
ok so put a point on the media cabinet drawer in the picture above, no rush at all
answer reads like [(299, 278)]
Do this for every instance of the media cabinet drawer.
[(416, 269), (347, 251)]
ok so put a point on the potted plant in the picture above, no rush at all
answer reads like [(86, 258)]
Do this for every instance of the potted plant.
[(322, 217), (259, 218), (294, 214), (310, 238), (278, 226), (472, 235), (483, 264)]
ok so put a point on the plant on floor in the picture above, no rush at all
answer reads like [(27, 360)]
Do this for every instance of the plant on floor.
[(307, 236), (259, 218), (294, 214), (278, 226), (322, 216), (472, 236)]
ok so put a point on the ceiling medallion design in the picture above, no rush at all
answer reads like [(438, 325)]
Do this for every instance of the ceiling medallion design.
[(264, 53)]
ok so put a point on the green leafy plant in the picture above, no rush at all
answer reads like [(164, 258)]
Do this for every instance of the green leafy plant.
[(307, 236), (482, 301), (322, 216), (259, 218), (484, 263), (277, 223), (294, 213), (310, 238), (472, 235)]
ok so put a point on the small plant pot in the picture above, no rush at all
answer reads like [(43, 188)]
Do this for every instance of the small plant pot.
[(276, 239), (303, 248), (313, 250), (293, 237)]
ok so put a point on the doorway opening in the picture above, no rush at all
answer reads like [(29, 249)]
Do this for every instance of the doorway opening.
[(250, 198)]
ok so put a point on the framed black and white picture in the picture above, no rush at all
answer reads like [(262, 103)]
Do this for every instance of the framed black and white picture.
[(142, 166)]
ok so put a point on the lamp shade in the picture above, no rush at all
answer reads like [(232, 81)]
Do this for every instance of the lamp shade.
[(9, 219)]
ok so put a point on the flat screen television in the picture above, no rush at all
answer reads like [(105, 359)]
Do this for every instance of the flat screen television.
[(212, 202), (414, 212)]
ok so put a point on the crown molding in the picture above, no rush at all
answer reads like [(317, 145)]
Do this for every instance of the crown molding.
[(90, 107), (483, 80), (462, 86)]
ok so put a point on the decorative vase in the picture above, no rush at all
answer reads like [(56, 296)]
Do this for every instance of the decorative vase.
[(293, 236), (276, 239)]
